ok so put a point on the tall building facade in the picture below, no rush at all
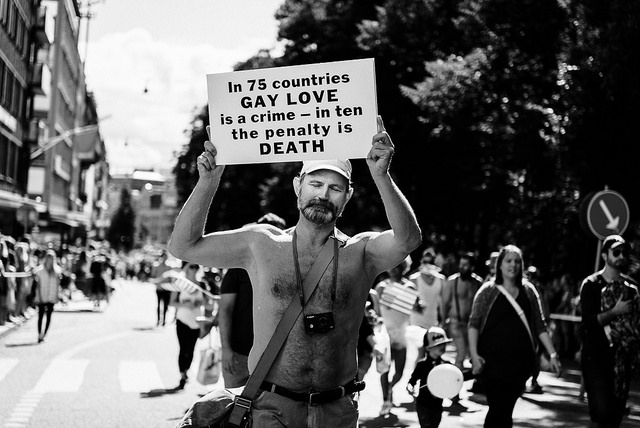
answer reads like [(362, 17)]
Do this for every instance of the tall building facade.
[(18, 34), (68, 171)]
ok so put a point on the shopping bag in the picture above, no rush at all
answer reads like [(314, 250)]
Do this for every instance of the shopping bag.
[(382, 348), (210, 360)]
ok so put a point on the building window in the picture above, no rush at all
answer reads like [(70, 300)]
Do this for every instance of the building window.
[(4, 11), (155, 201), (4, 157), (8, 160)]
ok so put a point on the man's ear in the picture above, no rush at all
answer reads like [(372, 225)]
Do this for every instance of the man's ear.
[(349, 193), (296, 185)]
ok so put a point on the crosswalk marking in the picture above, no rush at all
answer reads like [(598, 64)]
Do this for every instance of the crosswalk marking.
[(21, 414), (139, 376), (68, 375), (62, 376), (6, 365)]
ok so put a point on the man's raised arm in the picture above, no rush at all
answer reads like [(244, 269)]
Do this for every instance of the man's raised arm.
[(187, 240), (392, 246)]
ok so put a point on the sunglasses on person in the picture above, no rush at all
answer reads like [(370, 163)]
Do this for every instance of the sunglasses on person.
[(194, 267), (619, 252)]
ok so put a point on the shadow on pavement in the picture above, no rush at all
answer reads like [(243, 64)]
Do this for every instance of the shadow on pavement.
[(160, 392), (16, 345), (459, 408), (390, 420), (151, 328)]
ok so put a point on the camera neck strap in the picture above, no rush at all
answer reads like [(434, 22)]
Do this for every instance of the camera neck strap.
[(306, 288), (242, 403)]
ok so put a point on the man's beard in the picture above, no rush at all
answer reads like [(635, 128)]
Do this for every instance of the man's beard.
[(619, 264), (320, 212)]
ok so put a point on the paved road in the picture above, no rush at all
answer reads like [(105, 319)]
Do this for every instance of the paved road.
[(96, 366)]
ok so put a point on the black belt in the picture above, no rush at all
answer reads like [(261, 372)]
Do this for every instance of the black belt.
[(315, 397)]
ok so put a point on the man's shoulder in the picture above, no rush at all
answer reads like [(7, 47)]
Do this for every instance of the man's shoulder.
[(264, 229), (591, 278), (408, 283), (476, 278), (629, 279)]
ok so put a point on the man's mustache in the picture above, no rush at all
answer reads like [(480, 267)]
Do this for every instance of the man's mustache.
[(321, 204)]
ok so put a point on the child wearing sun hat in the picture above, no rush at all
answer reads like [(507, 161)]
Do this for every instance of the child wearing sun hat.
[(428, 406)]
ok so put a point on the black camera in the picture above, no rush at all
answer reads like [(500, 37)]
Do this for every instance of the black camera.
[(319, 323)]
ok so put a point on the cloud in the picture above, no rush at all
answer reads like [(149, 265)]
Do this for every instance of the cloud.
[(120, 66)]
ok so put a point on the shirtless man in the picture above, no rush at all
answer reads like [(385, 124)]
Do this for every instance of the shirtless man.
[(457, 297), (307, 362)]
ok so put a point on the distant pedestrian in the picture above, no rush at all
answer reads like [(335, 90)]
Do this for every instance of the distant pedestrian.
[(533, 276), (430, 283), (98, 284), (457, 298), (506, 321), (236, 318), (24, 265), (398, 298), (163, 294), (610, 335), (187, 303), (47, 276), (429, 407), (490, 264)]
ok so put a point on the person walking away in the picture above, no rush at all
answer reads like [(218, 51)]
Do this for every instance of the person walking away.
[(314, 360), (163, 294), (429, 407), (610, 335), (47, 276), (398, 298), (501, 343), (187, 303), (236, 318), (98, 284)]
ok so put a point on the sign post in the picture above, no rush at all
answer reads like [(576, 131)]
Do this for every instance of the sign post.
[(607, 213), (286, 114)]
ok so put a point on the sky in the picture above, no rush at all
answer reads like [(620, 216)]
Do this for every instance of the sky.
[(166, 47)]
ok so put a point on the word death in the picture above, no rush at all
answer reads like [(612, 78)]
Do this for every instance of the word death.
[(292, 147)]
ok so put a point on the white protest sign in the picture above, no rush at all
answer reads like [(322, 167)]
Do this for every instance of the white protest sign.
[(287, 114)]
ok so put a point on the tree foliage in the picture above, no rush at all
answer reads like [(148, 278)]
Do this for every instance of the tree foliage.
[(505, 116)]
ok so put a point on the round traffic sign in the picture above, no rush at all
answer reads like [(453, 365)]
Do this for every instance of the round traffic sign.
[(607, 214)]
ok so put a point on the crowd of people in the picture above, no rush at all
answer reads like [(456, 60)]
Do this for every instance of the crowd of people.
[(369, 273), (318, 361), (33, 273)]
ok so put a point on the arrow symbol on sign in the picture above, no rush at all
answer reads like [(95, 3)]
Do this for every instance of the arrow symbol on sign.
[(613, 222)]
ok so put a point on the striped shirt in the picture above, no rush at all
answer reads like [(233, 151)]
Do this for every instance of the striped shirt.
[(401, 297)]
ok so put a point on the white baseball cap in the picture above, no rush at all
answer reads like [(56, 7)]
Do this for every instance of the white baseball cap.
[(342, 167)]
